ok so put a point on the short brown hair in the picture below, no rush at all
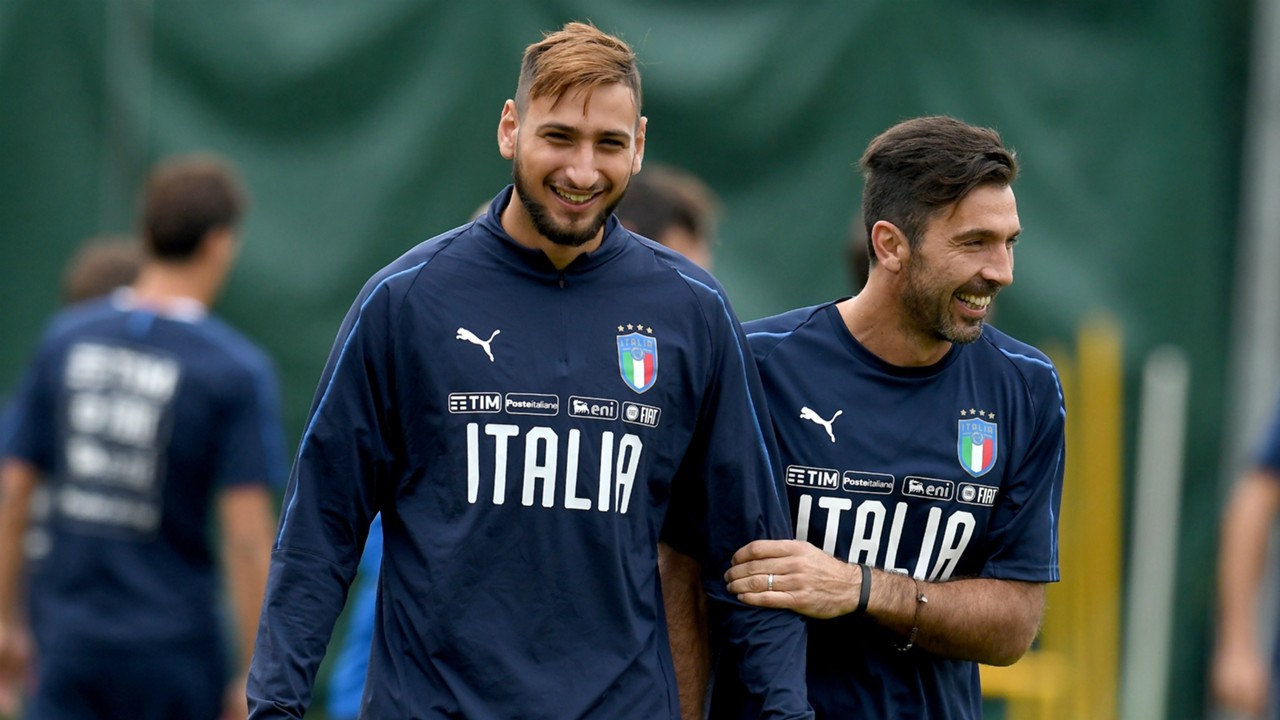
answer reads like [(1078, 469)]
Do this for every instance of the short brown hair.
[(664, 196), (102, 264), (579, 55), (185, 198), (921, 165)]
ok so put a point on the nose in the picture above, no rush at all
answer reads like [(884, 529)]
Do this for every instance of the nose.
[(999, 266), (582, 169)]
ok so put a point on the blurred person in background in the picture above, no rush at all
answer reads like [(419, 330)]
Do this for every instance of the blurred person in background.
[(1242, 678), (674, 207), (923, 449), (100, 265), (536, 404), (142, 415), (662, 203)]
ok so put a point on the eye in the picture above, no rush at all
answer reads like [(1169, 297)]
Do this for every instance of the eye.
[(613, 144)]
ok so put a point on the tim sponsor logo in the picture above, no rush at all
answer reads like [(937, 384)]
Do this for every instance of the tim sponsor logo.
[(475, 402), (532, 404), (812, 477), (594, 408), (928, 488), (638, 414), (867, 482), (973, 494)]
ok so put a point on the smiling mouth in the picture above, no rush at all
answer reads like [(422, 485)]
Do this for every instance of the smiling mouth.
[(575, 198), (975, 302)]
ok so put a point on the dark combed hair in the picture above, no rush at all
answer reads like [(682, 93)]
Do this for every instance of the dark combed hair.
[(921, 165), (185, 199), (579, 55)]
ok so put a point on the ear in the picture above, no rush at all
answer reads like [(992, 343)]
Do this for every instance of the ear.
[(508, 128), (638, 160), (222, 242), (890, 245)]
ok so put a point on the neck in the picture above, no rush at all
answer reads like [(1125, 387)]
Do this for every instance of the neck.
[(875, 319), (519, 225), (165, 283)]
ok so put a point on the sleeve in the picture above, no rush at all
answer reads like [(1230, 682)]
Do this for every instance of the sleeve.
[(252, 441), (351, 664), (343, 456), (1268, 453), (31, 415), (1023, 531), (727, 493)]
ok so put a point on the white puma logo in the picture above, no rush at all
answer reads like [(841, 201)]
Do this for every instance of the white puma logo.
[(465, 334), (807, 414)]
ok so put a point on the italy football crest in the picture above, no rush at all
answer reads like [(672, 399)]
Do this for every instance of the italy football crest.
[(977, 446), (638, 360)]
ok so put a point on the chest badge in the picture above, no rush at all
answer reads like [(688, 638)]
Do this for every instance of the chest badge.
[(977, 444), (638, 358)]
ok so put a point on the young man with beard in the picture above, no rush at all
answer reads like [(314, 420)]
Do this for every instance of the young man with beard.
[(922, 451), (533, 402)]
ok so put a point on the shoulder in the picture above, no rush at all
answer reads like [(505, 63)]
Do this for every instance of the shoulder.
[(240, 353), (680, 268), (1027, 358), (73, 320), (1031, 365), (767, 333), (405, 270)]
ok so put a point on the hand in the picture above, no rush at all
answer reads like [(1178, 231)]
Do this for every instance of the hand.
[(1241, 681), (805, 579), (235, 702)]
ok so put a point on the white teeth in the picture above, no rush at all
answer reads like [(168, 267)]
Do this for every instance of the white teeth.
[(979, 301)]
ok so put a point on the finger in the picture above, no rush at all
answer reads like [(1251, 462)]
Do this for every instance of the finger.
[(775, 599), (762, 550), (749, 568), (757, 583)]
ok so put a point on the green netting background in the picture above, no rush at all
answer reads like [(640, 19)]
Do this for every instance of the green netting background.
[(365, 127)]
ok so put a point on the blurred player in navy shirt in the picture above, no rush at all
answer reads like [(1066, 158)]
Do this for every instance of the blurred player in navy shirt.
[(142, 415)]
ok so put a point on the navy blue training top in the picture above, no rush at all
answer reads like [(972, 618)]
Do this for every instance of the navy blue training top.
[(948, 471), (136, 419), (527, 433)]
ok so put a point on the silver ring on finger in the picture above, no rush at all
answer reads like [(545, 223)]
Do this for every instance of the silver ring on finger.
[(769, 585)]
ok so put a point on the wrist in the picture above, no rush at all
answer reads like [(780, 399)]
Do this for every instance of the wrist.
[(860, 596)]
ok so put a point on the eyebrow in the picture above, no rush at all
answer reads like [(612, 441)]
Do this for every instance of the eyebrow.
[(574, 130), (984, 232)]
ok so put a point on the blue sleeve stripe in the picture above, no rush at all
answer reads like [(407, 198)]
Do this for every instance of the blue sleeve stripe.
[(1062, 412), (755, 418), (292, 501), (762, 333)]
